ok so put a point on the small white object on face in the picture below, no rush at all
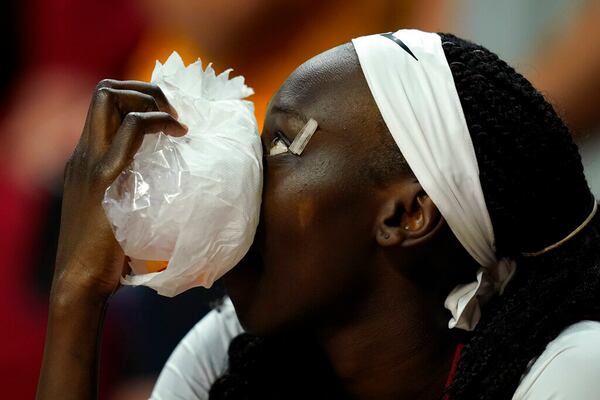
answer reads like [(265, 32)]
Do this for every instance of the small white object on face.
[(278, 148), (299, 143), (302, 138)]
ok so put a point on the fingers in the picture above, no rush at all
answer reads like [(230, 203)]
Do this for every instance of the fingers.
[(122, 112), (129, 137), (142, 87), (110, 108), (112, 101), (127, 101)]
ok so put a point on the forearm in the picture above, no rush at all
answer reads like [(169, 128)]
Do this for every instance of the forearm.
[(90, 262), (70, 364)]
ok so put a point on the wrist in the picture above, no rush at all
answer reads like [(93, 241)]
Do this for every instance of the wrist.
[(70, 293), (86, 274), (75, 306)]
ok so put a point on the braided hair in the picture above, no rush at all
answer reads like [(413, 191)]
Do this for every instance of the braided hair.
[(536, 193)]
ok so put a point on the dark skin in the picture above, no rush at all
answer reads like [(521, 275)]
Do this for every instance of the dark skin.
[(362, 266)]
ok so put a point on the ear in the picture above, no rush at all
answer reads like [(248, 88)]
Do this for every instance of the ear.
[(407, 216)]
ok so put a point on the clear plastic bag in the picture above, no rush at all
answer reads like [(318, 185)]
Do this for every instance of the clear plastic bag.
[(186, 210)]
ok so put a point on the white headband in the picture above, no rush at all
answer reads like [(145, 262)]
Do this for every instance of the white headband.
[(412, 84)]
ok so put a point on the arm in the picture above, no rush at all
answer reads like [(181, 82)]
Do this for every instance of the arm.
[(89, 260), (69, 369)]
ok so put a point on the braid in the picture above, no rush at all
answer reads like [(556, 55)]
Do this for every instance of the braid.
[(280, 367), (244, 354), (536, 193)]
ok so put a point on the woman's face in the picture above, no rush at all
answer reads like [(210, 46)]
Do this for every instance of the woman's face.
[(310, 258)]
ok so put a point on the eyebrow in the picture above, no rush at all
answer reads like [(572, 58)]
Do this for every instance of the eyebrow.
[(286, 110)]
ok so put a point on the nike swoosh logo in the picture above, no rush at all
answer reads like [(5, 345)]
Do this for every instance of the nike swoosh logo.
[(400, 43)]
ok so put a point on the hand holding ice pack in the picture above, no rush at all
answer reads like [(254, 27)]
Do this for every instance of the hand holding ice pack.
[(193, 201)]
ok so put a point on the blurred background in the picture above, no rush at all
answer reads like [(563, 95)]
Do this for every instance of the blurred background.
[(55, 51)]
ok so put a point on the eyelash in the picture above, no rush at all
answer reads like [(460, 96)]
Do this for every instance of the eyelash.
[(280, 144)]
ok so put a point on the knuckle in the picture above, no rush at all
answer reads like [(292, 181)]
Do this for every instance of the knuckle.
[(154, 88), (150, 103), (157, 92), (75, 163), (101, 176), (105, 83), (133, 119), (103, 95)]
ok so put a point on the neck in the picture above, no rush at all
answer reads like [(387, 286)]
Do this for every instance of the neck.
[(393, 347)]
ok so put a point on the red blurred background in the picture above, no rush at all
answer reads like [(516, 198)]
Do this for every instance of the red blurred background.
[(56, 50)]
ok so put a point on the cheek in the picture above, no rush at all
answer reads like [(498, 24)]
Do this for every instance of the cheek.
[(315, 242), (305, 214)]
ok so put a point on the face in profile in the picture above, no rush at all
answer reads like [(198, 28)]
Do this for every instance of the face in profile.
[(311, 255)]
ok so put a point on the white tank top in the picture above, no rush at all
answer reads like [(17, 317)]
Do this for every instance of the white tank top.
[(569, 368)]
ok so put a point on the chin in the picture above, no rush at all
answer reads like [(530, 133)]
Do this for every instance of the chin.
[(258, 314), (255, 318), (241, 285), (261, 310)]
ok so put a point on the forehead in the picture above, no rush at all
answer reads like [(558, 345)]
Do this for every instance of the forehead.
[(329, 88)]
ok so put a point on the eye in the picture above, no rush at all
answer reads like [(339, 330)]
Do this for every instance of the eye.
[(279, 144)]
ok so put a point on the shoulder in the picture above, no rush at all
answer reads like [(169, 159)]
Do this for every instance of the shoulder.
[(200, 358), (218, 326), (569, 368)]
